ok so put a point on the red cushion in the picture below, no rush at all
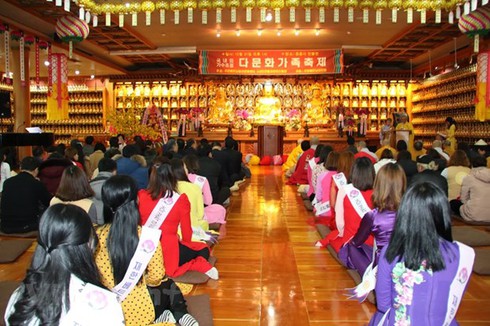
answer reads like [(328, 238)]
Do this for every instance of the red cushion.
[(284, 158), (266, 160)]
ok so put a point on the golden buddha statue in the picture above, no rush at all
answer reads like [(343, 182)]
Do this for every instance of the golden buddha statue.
[(268, 107), (314, 109), (220, 110)]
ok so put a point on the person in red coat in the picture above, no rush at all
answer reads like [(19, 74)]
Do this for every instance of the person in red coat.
[(363, 151), (179, 254), (300, 174), (362, 177)]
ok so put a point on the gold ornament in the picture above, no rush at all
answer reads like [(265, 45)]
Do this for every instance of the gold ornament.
[(204, 4), (190, 4), (248, 3), (262, 3), (380, 4), (321, 3), (176, 5), (292, 3), (307, 3), (147, 6), (219, 4), (277, 4), (233, 3), (162, 5)]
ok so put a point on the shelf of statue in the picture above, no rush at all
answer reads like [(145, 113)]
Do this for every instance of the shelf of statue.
[(314, 109), (220, 110), (268, 108)]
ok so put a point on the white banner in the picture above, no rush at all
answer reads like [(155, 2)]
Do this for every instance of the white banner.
[(357, 200), (322, 208)]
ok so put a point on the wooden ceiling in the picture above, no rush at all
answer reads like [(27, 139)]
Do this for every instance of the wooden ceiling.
[(387, 47)]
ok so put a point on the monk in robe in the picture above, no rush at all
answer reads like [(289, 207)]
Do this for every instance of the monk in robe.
[(300, 175), (292, 159), (405, 125)]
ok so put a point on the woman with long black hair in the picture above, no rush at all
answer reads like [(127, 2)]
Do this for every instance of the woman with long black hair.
[(119, 240), (62, 285), (422, 273)]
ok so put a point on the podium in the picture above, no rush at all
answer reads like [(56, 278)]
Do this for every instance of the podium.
[(270, 140), (403, 135)]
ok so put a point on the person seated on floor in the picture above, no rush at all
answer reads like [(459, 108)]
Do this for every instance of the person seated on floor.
[(474, 203), (190, 147), (418, 149), (39, 153), (191, 163), (427, 171), (180, 253), (458, 168), (422, 274), (351, 145), (64, 255), (324, 180), (409, 166), (50, 171), (309, 167), (437, 145), (288, 166), (211, 170), (440, 162), (170, 149), (223, 160), (352, 202), (107, 168), (363, 151), (134, 166), (300, 176), (234, 166), (481, 148), (74, 189), (88, 148), (24, 199), (4, 168), (385, 158), (94, 158), (389, 185), (119, 240), (385, 144), (318, 169)]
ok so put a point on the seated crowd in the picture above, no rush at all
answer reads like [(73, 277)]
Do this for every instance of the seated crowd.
[(388, 217), (116, 226)]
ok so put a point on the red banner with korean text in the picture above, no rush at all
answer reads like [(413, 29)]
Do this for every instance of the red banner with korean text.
[(271, 62)]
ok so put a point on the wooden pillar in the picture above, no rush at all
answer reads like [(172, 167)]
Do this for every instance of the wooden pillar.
[(22, 98)]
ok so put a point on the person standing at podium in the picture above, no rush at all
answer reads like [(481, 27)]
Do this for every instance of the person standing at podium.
[(404, 124)]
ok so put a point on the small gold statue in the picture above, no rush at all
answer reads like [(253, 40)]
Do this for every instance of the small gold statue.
[(220, 110), (268, 107)]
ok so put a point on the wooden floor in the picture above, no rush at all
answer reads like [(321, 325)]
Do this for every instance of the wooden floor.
[(271, 273)]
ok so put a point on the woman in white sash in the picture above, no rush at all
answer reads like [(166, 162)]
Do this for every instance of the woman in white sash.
[(119, 240), (422, 274), (62, 285)]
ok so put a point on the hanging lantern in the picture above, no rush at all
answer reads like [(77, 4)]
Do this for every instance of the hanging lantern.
[(437, 6), (176, 6), (408, 5), (120, 10), (422, 6), (321, 4), (107, 8), (248, 4), (450, 6), (292, 5), (233, 4), (204, 6), (263, 5), (71, 29), (277, 5), (95, 18), (394, 5), (336, 5), (475, 24), (134, 8), (191, 5), (148, 7), (350, 5), (57, 100), (307, 4), (219, 5), (162, 6), (365, 6), (379, 6)]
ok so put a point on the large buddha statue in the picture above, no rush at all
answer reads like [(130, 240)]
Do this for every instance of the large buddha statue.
[(314, 109), (220, 110), (268, 107)]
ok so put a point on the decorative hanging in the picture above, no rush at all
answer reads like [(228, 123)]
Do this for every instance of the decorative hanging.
[(22, 61), (408, 5), (6, 43), (191, 5), (148, 7), (248, 4), (107, 8), (50, 76), (134, 8), (263, 5), (71, 29), (57, 101), (321, 4), (379, 6), (475, 24), (219, 5), (437, 6), (422, 6), (176, 6), (365, 5), (336, 4), (277, 5), (350, 5), (292, 5), (162, 6), (233, 5), (307, 4), (37, 61), (394, 5), (204, 6)]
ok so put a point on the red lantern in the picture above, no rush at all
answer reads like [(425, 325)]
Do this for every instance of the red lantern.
[(71, 29)]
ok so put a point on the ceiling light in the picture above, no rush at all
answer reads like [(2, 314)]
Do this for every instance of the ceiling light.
[(317, 32), (259, 32), (296, 32), (218, 33), (46, 63), (77, 72), (127, 5), (92, 76), (237, 32), (278, 32), (268, 16)]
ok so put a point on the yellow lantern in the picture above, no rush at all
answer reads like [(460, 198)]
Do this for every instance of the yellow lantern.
[(233, 4), (379, 6), (408, 5), (248, 4), (204, 6), (263, 4), (277, 5), (336, 5), (422, 6), (162, 5), (365, 6), (190, 5), (321, 4), (350, 5), (219, 5), (176, 6), (307, 4), (292, 5), (394, 5)]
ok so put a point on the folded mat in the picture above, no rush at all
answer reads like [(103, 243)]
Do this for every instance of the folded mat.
[(482, 261), (193, 277), (199, 306), (6, 289), (32, 234), (357, 279), (471, 236), (459, 218), (11, 249)]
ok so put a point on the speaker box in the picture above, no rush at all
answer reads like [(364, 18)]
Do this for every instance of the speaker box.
[(5, 105)]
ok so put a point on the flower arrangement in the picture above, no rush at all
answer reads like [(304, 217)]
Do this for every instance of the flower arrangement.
[(128, 122), (16, 35), (29, 39), (293, 121), (241, 122)]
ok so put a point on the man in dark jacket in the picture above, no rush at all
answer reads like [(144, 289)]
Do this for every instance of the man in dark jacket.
[(127, 165), (427, 168), (50, 171), (234, 166), (211, 169), (24, 199)]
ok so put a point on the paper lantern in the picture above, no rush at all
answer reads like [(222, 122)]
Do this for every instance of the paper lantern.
[(233, 5), (475, 24), (71, 29), (162, 6)]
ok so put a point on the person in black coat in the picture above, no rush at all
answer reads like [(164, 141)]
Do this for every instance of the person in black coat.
[(404, 159), (224, 160), (24, 199), (234, 166), (427, 168)]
